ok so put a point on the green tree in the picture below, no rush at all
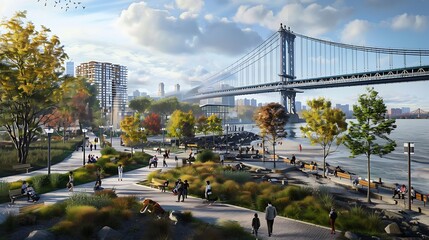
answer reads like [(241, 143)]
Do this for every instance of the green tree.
[(325, 126), (131, 131), (271, 120), (140, 104), (181, 124), (202, 126), (30, 86), (369, 135), (165, 107), (214, 125)]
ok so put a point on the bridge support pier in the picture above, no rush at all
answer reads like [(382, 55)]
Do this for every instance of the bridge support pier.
[(288, 101)]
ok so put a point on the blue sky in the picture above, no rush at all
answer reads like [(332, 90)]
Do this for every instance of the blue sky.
[(185, 41)]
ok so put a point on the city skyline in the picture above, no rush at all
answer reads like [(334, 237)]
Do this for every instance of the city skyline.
[(184, 41)]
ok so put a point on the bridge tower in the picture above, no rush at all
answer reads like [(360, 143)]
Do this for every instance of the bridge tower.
[(287, 68)]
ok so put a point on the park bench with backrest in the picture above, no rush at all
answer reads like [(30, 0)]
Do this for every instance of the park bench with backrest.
[(20, 167), (310, 166), (364, 183), (15, 194), (344, 175)]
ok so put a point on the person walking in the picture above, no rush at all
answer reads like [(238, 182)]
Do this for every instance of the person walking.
[(98, 176), (120, 172), (255, 225), (332, 218), (164, 162), (71, 181), (179, 187), (270, 214), (413, 194), (185, 188), (208, 192)]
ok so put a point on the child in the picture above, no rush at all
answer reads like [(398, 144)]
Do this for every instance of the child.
[(332, 217), (255, 225)]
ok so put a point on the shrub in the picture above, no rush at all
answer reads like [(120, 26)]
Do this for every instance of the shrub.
[(56, 180), (80, 214), (40, 181), (4, 188), (238, 176), (64, 227), (108, 216), (233, 230), (205, 155), (110, 168), (124, 202), (160, 229), (107, 193), (297, 193), (262, 201), (108, 151), (50, 211), (82, 199), (229, 189)]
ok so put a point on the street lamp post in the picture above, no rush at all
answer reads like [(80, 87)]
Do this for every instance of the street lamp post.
[(111, 135), (409, 149), (49, 131), (163, 135), (141, 137), (84, 143), (226, 138)]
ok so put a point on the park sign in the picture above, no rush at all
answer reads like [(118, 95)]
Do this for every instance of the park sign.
[(411, 146)]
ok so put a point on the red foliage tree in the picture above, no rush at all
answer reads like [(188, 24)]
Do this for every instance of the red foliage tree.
[(152, 124)]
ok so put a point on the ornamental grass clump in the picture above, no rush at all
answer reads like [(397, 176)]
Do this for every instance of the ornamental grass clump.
[(40, 181), (83, 199), (57, 180), (238, 176), (4, 188)]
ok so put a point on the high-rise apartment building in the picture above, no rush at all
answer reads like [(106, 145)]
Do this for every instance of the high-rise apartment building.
[(70, 69), (111, 82), (161, 92)]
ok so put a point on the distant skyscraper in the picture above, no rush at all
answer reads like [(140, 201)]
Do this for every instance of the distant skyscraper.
[(253, 102), (136, 93), (298, 106), (406, 110), (395, 111), (345, 108), (161, 91), (111, 82), (70, 69), (177, 88)]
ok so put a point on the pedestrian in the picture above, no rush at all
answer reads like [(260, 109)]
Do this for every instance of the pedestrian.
[(255, 225), (185, 188), (179, 188), (396, 191), (208, 191), (164, 162), (155, 163), (95, 146), (413, 194), (70, 185), (222, 159), (24, 190), (90, 147), (120, 171), (98, 176), (332, 217), (293, 159), (165, 185), (270, 214), (403, 191), (300, 147)]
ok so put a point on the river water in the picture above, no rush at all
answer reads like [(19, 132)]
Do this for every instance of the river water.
[(393, 167)]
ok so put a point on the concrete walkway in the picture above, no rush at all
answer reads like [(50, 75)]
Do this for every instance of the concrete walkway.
[(283, 227)]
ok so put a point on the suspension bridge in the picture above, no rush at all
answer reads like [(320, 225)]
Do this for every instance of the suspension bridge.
[(290, 63)]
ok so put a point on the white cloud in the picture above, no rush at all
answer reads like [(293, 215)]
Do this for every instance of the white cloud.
[(355, 32), (159, 30), (406, 21), (191, 8), (312, 19)]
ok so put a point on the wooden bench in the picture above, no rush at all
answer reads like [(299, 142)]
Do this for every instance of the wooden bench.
[(421, 197), (344, 175), (364, 183), (19, 167), (14, 194), (159, 183), (310, 167)]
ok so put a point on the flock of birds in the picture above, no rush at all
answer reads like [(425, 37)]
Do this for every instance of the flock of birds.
[(65, 4)]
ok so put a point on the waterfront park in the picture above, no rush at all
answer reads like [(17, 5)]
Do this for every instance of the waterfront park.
[(51, 123)]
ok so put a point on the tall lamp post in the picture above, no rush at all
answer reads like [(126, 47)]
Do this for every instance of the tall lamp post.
[(409, 149), (84, 143), (226, 138), (163, 136), (49, 131), (141, 137)]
